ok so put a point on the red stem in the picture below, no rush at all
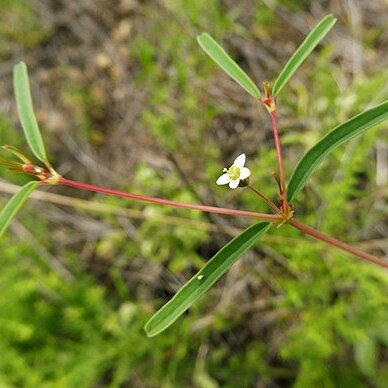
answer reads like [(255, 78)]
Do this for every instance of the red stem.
[(339, 244), (211, 209), (280, 160), (160, 201)]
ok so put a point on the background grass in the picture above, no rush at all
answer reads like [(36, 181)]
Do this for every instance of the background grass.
[(127, 99)]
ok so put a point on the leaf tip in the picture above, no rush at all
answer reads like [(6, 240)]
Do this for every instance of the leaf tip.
[(202, 37), (330, 16), (20, 67), (151, 332)]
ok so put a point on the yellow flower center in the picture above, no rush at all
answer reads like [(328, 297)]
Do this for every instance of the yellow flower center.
[(234, 172)]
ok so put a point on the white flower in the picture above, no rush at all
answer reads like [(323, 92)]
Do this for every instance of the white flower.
[(235, 173)]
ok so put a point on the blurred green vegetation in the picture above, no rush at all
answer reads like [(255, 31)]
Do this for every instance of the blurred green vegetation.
[(19, 24), (291, 313)]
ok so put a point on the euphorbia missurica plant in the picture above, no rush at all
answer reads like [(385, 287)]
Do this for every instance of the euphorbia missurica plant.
[(237, 175)]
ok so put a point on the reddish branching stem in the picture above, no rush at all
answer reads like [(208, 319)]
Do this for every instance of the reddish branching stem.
[(232, 212), (283, 197), (161, 201), (339, 244)]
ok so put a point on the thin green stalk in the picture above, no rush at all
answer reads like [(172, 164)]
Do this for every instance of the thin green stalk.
[(267, 200)]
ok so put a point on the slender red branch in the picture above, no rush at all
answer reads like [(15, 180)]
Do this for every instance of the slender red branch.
[(232, 212), (161, 201), (280, 159), (339, 244)]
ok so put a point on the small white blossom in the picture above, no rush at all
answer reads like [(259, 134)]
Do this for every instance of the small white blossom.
[(235, 173)]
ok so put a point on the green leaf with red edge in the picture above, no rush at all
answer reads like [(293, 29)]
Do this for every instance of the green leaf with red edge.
[(205, 278)]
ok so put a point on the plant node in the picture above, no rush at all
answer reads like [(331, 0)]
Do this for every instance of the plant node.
[(47, 174), (268, 101)]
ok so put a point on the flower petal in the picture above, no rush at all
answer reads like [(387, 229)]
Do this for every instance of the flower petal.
[(240, 161), (223, 179), (234, 184), (245, 172)]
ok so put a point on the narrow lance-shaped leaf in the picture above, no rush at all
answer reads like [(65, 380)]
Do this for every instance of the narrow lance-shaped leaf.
[(205, 278), (219, 56), (304, 50), (26, 111), (339, 135), (9, 211)]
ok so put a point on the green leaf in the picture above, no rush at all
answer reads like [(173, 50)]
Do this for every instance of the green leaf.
[(219, 56), (204, 279), (339, 135), (9, 211), (26, 111), (308, 45)]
